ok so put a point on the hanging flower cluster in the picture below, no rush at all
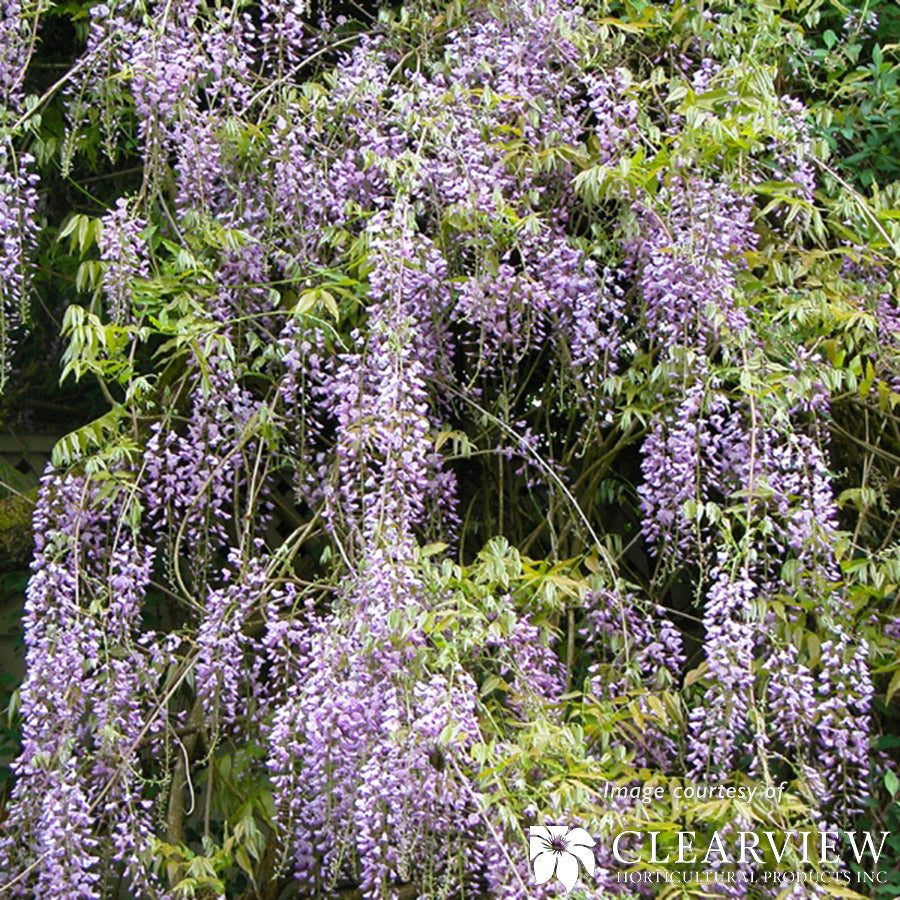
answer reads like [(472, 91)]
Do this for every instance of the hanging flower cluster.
[(18, 211), (124, 252)]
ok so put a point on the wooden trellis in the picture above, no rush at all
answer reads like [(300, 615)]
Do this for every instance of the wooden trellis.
[(28, 454)]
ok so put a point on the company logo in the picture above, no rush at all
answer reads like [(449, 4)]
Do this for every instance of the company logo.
[(557, 850)]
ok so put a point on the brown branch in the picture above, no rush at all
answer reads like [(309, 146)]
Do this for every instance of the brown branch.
[(176, 812)]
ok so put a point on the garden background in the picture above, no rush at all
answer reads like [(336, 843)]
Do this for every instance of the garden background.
[(418, 418)]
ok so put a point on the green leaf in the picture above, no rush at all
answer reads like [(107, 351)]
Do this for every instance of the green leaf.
[(893, 687)]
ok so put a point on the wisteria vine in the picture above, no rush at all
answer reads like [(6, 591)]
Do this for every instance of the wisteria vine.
[(467, 444)]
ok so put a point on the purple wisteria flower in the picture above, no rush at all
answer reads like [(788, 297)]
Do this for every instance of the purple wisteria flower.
[(125, 254)]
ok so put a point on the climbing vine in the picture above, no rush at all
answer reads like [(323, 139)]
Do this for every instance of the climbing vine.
[(480, 404)]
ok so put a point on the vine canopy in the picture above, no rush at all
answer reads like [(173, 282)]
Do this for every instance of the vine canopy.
[(477, 404)]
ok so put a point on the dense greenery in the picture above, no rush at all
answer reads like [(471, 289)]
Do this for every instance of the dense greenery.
[(466, 406)]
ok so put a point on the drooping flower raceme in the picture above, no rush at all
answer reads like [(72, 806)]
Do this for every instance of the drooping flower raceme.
[(687, 262), (123, 251), (18, 225), (86, 712)]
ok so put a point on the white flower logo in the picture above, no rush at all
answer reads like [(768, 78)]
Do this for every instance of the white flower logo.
[(556, 849)]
